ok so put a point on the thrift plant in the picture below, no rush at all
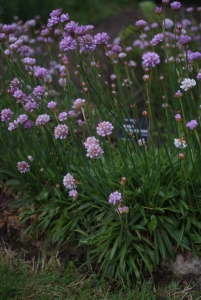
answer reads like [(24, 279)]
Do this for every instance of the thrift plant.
[(102, 138)]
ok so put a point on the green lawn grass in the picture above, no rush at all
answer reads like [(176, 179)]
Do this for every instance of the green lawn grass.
[(20, 279)]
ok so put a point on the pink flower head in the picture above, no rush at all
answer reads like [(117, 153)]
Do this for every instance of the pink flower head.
[(158, 38), (141, 23), (184, 40), (63, 116), (13, 125), (87, 43), (22, 119), (78, 103), (123, 210), (91, 140), (104, 128), (73, 194), (101, 38), (69, 181), (68, 43), (52, 105), (6, 115), (94, 151), (60, 131), (178, 117), (42, 120), (23, 167), (192, 124), (115, 198), (175, 5), (150, 59), (178, 94)]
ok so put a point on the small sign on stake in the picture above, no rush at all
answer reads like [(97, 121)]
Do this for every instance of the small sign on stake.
[(134, 129)]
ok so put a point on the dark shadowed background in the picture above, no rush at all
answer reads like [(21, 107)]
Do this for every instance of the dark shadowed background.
[(86, 11)]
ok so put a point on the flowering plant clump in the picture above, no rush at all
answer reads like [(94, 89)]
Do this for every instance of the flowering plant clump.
[(120, 117)]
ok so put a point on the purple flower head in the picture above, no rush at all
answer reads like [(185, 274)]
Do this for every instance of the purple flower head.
[(78, 103), (71, 113), (150, 59), (115, 198), (194, 56), (178, 117), (184, 40), (101, 38), (7, 29), (70, 27), (45, 32), (38, 91), (13, 125), (104, 128), (62, 116), (123, 210), (22, 119), (178, 94), (91, 140), (6, 115), (192, 124), (198, 76), (56, 12), (116, 49), (51, 22), (40, 72), (141, 23), (87, 43), (28, 124), (52, 105), (23, 167), (25, 51), (154, 25), (57, 32), (158, 38), (80, 30), (3, 37), (64, 18), (175, 5), (69, 181), (189, 9), (42, 120), (80, 122), (29, 61), (165, 2), (159, 10), (146, 28), (186, 23), (31, 105), (128, 49), (73, 194), (94, 151), (60, 131), (68, 43), (18, 94)]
